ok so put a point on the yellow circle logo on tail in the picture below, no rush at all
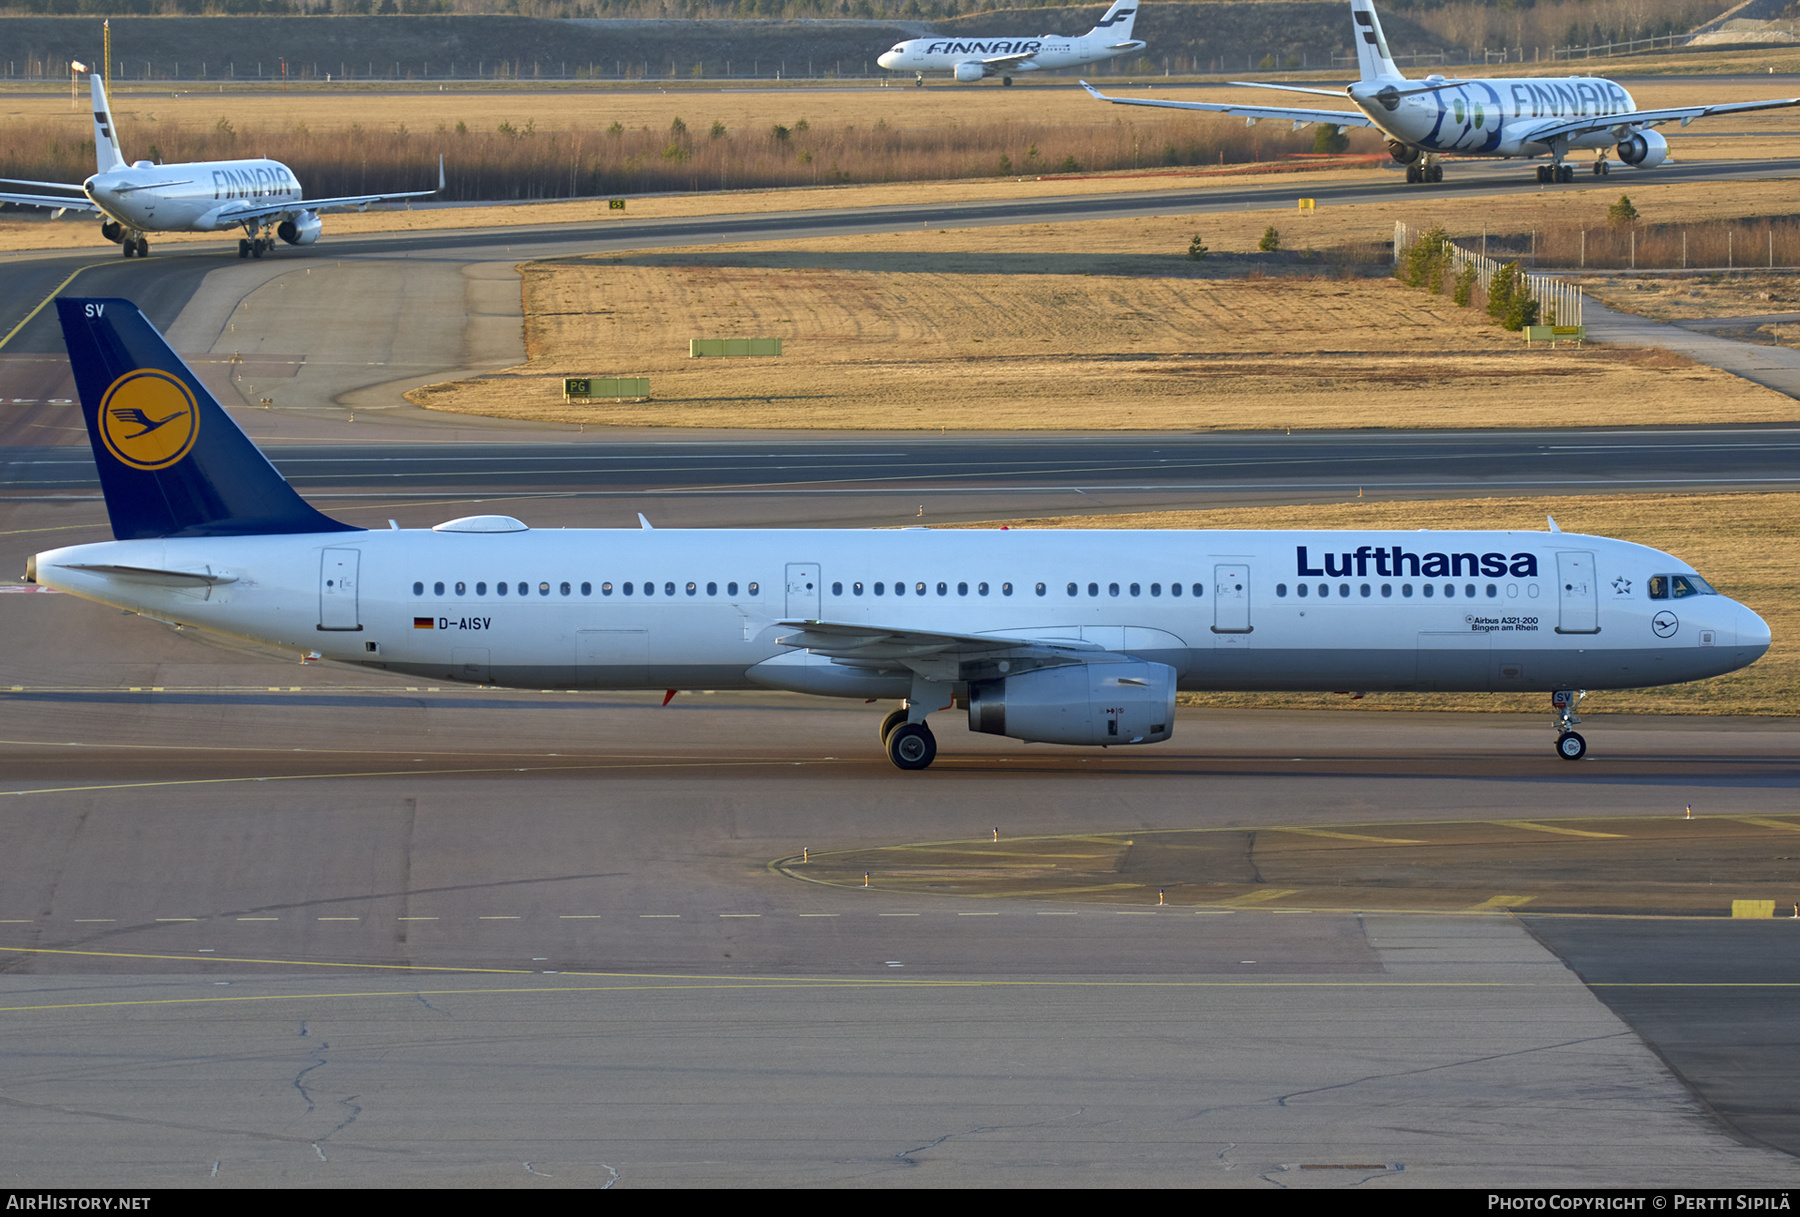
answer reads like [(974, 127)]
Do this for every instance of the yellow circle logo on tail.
[(149, 419)]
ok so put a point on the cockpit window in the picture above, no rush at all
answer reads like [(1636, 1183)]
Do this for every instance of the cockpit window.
[(1675, 587), (899, 47)]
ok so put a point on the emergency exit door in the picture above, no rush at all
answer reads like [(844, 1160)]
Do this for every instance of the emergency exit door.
[(1231, 599), (804, 594)]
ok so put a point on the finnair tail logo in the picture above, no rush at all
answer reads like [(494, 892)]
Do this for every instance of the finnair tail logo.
[(1393, 562), (1117, 15)]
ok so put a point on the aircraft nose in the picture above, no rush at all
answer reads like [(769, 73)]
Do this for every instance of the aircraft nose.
[(1752, 632), (887, 59)]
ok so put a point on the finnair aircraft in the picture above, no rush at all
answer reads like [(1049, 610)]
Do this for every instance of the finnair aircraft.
[(972, 59), (261, 196), (1049, 636), (1425, 120)]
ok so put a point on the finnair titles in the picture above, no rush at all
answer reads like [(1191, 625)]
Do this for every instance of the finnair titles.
[(262, 197), (1426, 120), (1042, 636), (972, 59)]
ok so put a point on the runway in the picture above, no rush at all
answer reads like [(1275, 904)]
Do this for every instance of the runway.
[(267, 924)]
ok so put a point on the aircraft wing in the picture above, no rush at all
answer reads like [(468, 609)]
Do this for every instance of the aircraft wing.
[(881, 644), (76, 203), (251, 211), (1006, 61), (255, 212), (1341, 118), (1650, 118)]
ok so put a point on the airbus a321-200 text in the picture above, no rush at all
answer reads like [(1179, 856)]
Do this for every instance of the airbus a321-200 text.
[(1424, 120), (1049, 636), (261, 196), (972, 59)]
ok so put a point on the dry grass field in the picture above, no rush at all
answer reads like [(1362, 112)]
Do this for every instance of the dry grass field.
[(984, 329), (1746, 545), (1698, 297)]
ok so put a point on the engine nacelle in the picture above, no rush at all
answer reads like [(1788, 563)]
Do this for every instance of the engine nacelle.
[(1645, 150), (1406, 154), (113, 231), (304, 229), (1090, 703), (968, 73)]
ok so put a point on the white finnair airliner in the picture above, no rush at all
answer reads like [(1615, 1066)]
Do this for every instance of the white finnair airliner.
[(1424, 120), (1050, 636), (261, 196), (971, 59)]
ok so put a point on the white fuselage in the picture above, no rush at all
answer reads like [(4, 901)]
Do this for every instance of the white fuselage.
[(196, 197), (1494, 117), (702, 609), (1043, 53)]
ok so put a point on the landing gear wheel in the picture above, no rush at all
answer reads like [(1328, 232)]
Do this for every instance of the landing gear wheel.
[(1565, 173), (129, 248), (911, 746), (143, 247), (243, 249), (1602, 168), (1435, 173), (1570, 746), (893, 719), (1006, 81), (1412, 175), (256, 248)]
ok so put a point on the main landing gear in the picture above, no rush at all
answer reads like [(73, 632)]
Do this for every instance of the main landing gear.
[(254, 248), (909, 745), (1559, 172), (1569, 744), (1426, 169), (135, 246)]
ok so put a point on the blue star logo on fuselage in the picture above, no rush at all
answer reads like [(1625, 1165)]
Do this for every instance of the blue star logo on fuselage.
[(1621, 586)]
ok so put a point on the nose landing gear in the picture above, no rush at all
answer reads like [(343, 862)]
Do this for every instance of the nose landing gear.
[(1569, 744)]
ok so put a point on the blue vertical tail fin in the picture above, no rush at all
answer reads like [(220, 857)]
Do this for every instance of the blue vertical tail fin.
[(172, 462)]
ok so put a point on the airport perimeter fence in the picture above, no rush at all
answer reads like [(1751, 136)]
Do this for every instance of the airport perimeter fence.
[(1556, 299)]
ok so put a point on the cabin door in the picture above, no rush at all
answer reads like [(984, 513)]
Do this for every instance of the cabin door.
[(337, 590), (1578, 597)]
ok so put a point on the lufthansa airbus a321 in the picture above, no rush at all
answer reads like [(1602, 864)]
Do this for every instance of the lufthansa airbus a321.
[(1425, 120), (260, 196), (1050, 636)]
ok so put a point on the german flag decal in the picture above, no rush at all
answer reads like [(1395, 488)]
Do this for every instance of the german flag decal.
[(424, 623)]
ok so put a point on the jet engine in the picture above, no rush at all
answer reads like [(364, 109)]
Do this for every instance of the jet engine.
[(1646, 149), (1092, 703), (112, 231), (303, 229), (970, 72), (1405, 154)]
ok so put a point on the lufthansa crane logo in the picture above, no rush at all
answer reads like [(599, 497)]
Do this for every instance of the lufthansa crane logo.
[(1665, 624), (148, 419)]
